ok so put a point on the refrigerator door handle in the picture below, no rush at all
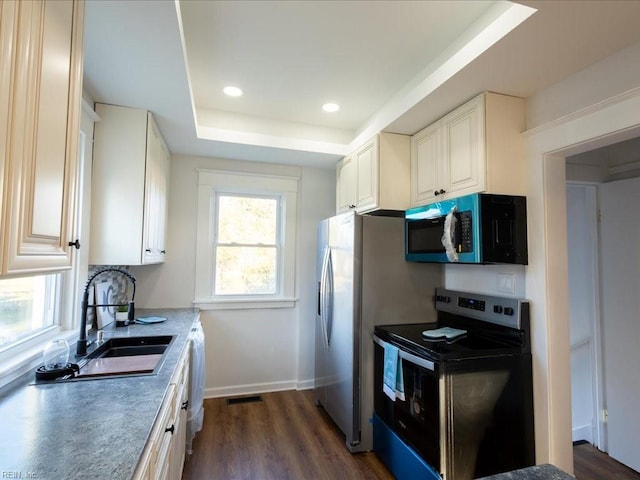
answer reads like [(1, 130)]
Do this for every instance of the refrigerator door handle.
[(329, 297), (323, 309)]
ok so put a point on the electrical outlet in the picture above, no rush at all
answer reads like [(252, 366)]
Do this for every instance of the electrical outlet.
[(506, 283)]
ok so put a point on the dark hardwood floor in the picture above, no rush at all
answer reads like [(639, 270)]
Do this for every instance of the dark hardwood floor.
[(286, 437), (589, 463), (283, 437)]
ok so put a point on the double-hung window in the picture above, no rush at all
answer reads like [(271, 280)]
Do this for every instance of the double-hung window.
[(245, 253), (247, 244), (27, 308)]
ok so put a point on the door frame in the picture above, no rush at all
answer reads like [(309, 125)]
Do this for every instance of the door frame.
[(602, 124), (599, 431)]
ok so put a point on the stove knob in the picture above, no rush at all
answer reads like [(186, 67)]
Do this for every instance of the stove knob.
[(508, 311), (497, 309)]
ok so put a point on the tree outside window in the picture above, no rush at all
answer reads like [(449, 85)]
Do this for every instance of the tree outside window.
[(26, 307), (247, 246)]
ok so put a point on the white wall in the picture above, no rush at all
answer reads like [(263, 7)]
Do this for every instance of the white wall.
[(502, 280), (317, 202), (247, 351), (546, 282), (607, 79), (599, 82), (592, 108), (563, 128)]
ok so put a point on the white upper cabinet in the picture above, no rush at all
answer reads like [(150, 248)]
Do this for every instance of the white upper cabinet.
[(476, 148), (129, 188), (156, 192), (375, 176), (347, 189), (366, 159), (463, 148), (426, 163), (40, 104)]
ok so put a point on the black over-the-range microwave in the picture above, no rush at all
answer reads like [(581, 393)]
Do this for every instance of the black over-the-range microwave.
[(478, 228)]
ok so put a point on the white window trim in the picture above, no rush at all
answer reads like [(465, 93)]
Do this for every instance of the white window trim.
[(211, 182)]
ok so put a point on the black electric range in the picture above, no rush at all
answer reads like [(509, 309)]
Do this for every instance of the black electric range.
[(468, 408)]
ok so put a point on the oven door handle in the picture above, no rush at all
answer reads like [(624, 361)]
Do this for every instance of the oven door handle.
[(409, 357)]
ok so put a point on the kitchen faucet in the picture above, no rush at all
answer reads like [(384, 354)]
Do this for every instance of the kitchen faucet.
[(82, 344)]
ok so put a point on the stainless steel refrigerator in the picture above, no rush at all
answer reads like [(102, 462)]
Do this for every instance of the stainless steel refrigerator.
[(363, 280)]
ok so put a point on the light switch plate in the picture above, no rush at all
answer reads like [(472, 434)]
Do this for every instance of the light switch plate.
[(506, 283)]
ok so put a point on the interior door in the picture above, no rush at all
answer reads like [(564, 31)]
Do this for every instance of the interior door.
[(620, 238), (583, 308)]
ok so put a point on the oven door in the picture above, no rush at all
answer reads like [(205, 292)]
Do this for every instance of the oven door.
[(416, 420)]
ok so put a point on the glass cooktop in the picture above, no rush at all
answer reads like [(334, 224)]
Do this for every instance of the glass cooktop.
[(473, 344)]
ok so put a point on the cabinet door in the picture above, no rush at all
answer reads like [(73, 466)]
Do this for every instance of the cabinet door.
[(346, 184), (428, 169), (118, 186), (180, 440), (163, 439), (42, 138), (366, 159), (8, 20), (464, 148), (155, 206), (163, 197)]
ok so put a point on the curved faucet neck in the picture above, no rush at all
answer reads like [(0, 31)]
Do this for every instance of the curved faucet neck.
[(82, 343)]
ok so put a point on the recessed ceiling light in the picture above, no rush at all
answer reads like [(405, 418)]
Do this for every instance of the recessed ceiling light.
[(232, 91), (330, 107)]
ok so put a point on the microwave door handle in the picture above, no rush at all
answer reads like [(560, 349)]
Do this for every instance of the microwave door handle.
[(449, 236), (420, 362)]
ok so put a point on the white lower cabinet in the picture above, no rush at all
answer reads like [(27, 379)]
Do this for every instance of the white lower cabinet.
[(164, 455), (180, 419)]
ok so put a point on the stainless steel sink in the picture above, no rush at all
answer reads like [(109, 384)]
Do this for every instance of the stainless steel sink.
[(132, 346), (121, 357), (132, 351)]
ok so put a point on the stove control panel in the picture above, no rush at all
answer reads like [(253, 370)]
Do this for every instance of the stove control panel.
[(472, 303), (507, 311)]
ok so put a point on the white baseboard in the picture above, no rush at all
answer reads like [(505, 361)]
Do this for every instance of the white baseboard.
[(305, 384), (582, 433), (252, 389)]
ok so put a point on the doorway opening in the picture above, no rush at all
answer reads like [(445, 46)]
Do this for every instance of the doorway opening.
[(602, 189)]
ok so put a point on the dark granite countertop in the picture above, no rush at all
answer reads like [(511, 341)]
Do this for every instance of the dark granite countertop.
[(537, 472), (93, 429)]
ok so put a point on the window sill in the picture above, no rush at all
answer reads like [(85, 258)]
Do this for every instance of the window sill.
[(243, 304)]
